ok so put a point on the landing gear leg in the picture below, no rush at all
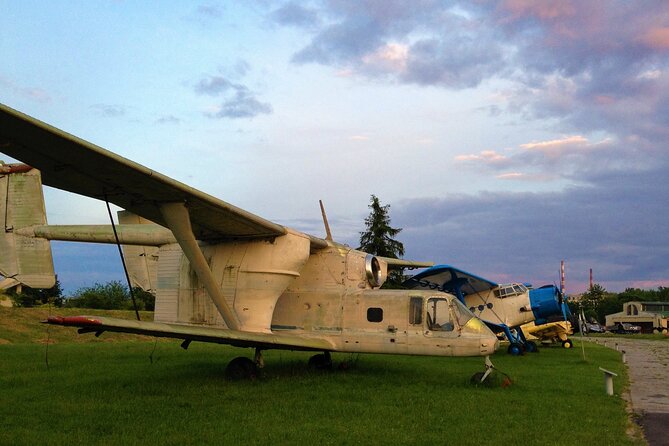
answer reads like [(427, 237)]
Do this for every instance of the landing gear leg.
[(480, 377), (259, 360)]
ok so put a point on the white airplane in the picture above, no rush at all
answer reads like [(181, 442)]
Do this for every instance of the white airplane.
[(503, 307), (222, 274)]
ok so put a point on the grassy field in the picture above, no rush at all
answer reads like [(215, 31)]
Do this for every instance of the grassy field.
[(112, 393)]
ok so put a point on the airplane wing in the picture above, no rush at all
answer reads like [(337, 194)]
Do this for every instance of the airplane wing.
[(548, 331), (75, 165), (450, 279), (100, 324)]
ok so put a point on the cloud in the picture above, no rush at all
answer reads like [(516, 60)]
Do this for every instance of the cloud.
[(426, 44), (239, 101), (33, 93), (486, 156), (555, 144), (596, 66), (657, 38), (210, 11), (242, 105), (214, 85), (572, 157), (525, 235), (109, 110), (168, 119), (293, 14)]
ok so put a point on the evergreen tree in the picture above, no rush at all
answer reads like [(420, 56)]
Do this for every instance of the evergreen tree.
[(378, 238)]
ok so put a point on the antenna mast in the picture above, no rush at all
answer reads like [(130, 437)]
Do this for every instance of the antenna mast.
[(328, 234)]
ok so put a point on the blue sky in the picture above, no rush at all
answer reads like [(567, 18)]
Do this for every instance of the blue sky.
[(505, 135)]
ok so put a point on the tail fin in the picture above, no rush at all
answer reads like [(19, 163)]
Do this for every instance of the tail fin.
[(25, 259), (141, 261)]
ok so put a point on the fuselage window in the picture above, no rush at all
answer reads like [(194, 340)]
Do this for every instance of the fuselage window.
[(375, 314), (439, 314), (416, 310)]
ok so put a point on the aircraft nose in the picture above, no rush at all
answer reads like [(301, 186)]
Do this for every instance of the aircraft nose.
[(489, 344), (545, 302)]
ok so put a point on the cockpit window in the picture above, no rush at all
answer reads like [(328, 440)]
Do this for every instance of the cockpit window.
[(513, 289), (460, 312), (416, 310), (439, 314)]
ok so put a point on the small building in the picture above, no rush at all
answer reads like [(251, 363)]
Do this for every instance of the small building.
[(650, 316)]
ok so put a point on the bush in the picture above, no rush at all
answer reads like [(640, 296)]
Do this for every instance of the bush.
[(31, 297), (111, 296)]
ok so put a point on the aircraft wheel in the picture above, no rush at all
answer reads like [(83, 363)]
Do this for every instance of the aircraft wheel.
[(476, 378), (241, 368), (567, 343), (515, 349), (322, 361), (531, 347)]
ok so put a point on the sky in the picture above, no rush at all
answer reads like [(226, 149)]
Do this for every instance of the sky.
[(506, 136)]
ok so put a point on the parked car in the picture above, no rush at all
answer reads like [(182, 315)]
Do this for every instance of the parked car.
[(624, 328), (594, 328)]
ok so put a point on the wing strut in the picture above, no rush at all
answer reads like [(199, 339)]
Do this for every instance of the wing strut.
[(178, 220), (120, 251)]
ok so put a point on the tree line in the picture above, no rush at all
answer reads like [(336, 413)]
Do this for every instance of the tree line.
[(596, 303), (108, 296)]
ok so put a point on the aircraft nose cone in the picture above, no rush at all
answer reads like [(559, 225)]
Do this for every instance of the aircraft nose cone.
[(545, 302), (489, 344)]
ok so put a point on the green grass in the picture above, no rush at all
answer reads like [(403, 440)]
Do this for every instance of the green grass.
[(107, 391)]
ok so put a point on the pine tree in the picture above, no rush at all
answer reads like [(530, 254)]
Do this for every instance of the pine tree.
[(378, 238)]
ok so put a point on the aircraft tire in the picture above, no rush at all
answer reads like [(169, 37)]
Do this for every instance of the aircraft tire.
[(322, 361), (515, 349), (531, 347), (241, 368), (476, 378), (567, 343)]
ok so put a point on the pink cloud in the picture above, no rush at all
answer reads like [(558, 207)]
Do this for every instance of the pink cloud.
[(486, 156), (542, 10), (656, 38)]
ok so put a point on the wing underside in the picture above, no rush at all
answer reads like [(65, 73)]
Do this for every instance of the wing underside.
[(451, 279), (72, 164), (265, 341)]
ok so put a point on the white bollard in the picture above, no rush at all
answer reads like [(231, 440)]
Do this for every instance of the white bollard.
[(608, 380), (624, 358)]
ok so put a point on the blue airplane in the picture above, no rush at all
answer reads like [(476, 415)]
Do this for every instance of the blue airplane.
[(503, 307)]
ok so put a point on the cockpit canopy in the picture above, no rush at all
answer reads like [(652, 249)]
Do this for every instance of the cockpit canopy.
[(510, 290)]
